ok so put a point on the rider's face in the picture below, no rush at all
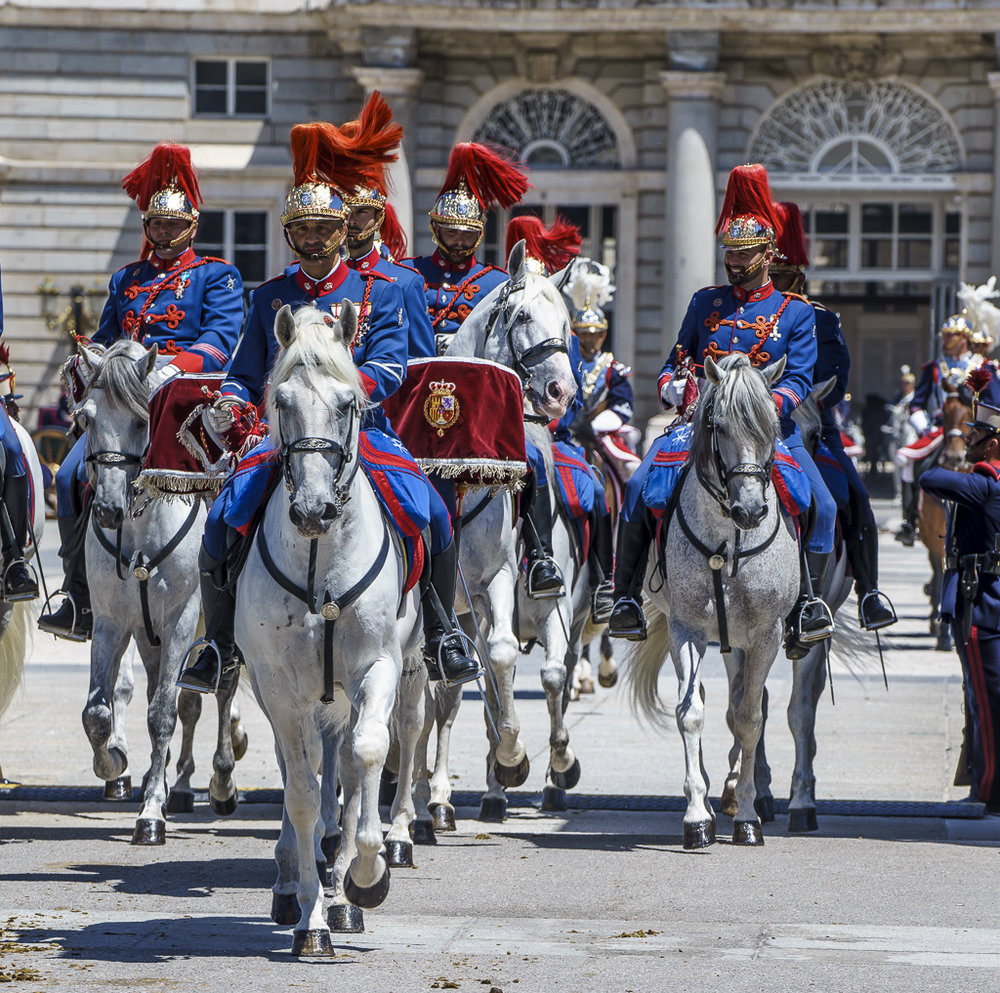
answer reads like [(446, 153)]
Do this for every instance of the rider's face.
[(358, 220), (310, 235), (952, 343), (162, 231), (456, 241)]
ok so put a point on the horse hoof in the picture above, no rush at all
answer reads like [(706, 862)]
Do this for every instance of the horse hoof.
[(240, 741), (802, 819), (180, 802), (442, 817), (285, 909), (423, 833), (511, 776), (316, 942), (493, 809), (149, 831), (554, 799), (387, 789), (764, 806), (118, 789), (609, 680), (586, 686), (367, 896), (223, 808), (747, 833), (399, 854), (330, 847), (699, 835), (943, 644), (345, 918), (568, 779)]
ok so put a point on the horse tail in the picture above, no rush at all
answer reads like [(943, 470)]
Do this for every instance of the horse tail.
[(13, 649), (643, 662)]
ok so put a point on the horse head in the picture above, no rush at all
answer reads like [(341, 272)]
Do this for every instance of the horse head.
[(734, 436), (115, 412), (956, 411), (314, 409), (809, 415)]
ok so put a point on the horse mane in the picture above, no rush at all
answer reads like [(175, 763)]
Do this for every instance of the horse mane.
[(319, 353), (119, 379), (743, 402)]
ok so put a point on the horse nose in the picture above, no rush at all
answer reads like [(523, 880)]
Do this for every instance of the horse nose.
[(554, 391), (109, 517), (312, 524), (747, 520)]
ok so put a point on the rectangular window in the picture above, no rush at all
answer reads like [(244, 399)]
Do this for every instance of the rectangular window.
[(829, 225), (238, 236), (231, 88), (876, 235), (916, 225), (952, 239)]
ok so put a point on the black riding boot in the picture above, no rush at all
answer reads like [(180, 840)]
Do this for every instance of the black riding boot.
[(810, 620), (543, 580), (874, 608), (73, 619), (907, 531), (602, 562), (444, 651), (627, 620), (220, 648), (18, 582)]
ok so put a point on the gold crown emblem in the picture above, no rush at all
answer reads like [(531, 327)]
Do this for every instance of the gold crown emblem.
[(441, 408)]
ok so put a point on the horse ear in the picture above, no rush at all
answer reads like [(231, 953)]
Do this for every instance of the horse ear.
[(713, 373), (772, 373), (515, 262), (348, 322), (818, 392), (90, 360), (144, 366), (284, 326)]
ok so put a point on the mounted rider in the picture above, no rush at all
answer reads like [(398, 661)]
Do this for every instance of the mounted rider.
[(189, 306), (833, 360), (749, 315), (326, 161), (17, 581)]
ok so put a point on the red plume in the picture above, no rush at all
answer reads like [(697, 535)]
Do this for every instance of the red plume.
[(553, 246), (167, 165), (747, 192), (321, 153), (4, 355), (491, 177), (392, 234), (790, 234), (374, 134), (979, 379)]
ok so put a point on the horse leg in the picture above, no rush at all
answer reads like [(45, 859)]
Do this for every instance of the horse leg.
[(237, 732), (762, 772), (330, 840), (447, 700), (181, 797), (583, 675), (423, 824), (564, 767), (764, 802), (408, 720), (808, 680), (103, 714), (284, 907), (222, 792), (607, 671)]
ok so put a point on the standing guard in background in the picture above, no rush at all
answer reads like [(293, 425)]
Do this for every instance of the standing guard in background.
[(833, 360), (189, 306)]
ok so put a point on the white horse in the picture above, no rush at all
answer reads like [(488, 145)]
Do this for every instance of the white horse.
[(524, 325), (727, 571), (15, 618), (324, 625), (142, 565)]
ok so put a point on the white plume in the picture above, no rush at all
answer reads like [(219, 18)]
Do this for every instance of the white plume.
[(983, 315), (589, 282)]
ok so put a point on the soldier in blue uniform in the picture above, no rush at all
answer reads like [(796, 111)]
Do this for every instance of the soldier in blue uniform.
[(751, 316), (970, 597), (314, 225), (189, 306), (17, 582), (833, 360)]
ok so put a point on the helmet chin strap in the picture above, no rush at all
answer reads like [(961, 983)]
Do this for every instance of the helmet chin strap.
[(740, 276), (454, 253), (333, 245), (370, 230), (186, 235)]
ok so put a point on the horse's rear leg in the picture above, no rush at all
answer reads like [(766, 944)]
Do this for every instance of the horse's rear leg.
[(607, 671), (808, 680), (181, 797), (423, 824), (408, 720), (699, 818), (111, 686), (222, 792), (583, 674), (564, 767), (330, 840)]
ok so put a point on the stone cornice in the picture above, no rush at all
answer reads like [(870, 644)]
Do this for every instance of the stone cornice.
[(694, 85), (392, 82)]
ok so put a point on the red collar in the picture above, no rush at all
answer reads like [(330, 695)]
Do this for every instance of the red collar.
[(991, 469), (160, 265), (364, 264), (326, 285), (443, 263), (751, 296)]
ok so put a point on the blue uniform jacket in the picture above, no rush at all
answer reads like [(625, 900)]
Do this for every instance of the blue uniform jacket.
[(191, 307), (971, 529), (724, 319), (421, 335), (832, 359), (380, 349), (452, 289), (605, 381)]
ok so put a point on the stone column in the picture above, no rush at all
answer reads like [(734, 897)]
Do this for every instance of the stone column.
[(994, 81), (690, 255)]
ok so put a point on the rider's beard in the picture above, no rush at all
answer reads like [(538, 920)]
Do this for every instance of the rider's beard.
[(739, 275)]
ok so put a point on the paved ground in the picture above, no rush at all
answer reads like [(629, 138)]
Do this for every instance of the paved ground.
[(587, 899)]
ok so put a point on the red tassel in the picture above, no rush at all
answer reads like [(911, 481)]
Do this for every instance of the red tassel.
[(491, 177), (4, 355), (747, 193), (790, 233), (979, 379), (167, 165), (554, 246), (392, 234)]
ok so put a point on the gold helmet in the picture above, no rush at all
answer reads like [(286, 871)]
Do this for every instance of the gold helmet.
[(957, 324), (165, 185), (747, 216)]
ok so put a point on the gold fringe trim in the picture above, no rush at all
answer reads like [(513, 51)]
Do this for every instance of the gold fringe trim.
[(487, 473)]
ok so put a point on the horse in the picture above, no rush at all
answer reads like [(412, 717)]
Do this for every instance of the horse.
[(325, 627), (725, 544), (15, 618), (522, 324), (142, 559)]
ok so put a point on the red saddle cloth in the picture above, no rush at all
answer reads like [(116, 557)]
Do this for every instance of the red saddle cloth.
[(463, 419)]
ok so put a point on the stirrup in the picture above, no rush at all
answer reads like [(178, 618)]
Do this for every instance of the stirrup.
[(636, 632), (18, 597), (552, 594), (73, 634), (882, 601), (470, 651), (821, 634), (220, 669)]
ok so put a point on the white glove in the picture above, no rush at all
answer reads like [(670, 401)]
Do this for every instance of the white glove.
[(222, 414), (672, 392), (920, 421), (606, 421), (159, 376)]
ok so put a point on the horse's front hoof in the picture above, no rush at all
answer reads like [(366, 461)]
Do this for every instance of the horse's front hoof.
[(699, 835), (727, 802), (764, 806), (568, 779), (423, 833), (118, 789), (345, 918), (330, 846), (802, 820), (285, 909), (493, 809), (180, 802), (586, 686), (149, 831), (607, 680), (442, 817), (312, 943), (223, 808), (554, 799), (511, 776), (367, 896), (399, 854), (387, 789), (747, 833)]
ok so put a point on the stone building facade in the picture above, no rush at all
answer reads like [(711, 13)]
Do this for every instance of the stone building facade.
[(880, 117)]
